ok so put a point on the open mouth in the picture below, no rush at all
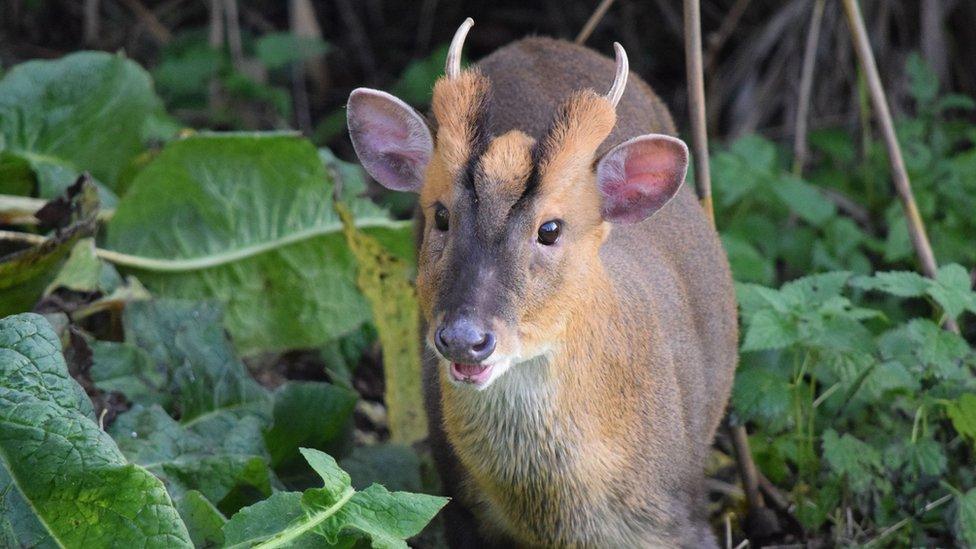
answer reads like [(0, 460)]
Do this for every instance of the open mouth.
[(470, 373)]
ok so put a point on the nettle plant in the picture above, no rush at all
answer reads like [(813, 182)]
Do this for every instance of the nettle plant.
[(868, 415)]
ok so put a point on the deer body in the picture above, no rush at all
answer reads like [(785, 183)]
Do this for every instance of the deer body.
[(615, 355)]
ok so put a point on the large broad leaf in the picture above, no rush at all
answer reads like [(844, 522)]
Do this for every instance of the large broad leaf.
[(63, 481), (85, 111), (211, 386), (296, 425), (247, 219), (186, 461), (335, 513)]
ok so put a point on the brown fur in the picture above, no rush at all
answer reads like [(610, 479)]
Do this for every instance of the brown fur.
[(600, 440)]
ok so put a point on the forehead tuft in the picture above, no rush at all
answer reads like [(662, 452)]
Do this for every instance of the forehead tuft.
[(460, 106), (507, 163)]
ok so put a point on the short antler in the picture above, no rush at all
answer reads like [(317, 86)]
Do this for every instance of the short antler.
[(453, 66), (620, 79)]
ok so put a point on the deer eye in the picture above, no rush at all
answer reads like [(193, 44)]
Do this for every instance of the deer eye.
[(549, 232), (441, 217)]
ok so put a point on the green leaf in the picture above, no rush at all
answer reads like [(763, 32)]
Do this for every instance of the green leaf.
[(81, 272), (748, 264), (416, 82), (279, 49), (129, 370), (858, 461), (24, 274), (247, 219), (927, 457), (761, 395), (953, 291), (204, 522), (295, 427), (770, 330), (393, 465), (815, 289), (335, 512), (966, 517), (962, 413), (186, 461), (64, 482), (804, 200), (84, 111), (897, 283), (923, 82), (186, 341)]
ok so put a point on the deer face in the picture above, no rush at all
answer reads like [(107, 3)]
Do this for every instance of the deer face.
[(511, 226)]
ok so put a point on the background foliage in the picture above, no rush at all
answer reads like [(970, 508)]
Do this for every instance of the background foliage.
[(200, 287)]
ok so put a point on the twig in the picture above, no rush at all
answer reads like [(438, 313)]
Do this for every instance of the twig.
[(854, 210), (773, 494), (92, 22), (724, 32), (916, 227), (234, 42), (894, 527), (699, 143), (806, 85), (358, 35), (215, 40), (148, 18), (20, 210), (747, 467), (426, 27), (696, 104), (593, 21)]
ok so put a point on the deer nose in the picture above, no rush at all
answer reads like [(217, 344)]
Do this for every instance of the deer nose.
[(461, 340)]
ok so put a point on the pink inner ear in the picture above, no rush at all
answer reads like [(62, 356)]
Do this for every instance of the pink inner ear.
[(390, 138), (639, 176)]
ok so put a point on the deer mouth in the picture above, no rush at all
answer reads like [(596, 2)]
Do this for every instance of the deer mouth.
[(476, 374)]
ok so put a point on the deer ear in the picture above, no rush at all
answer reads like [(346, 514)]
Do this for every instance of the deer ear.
[(392, 141), (639, 176)]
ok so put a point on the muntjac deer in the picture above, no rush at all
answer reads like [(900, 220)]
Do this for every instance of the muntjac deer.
[(578, 310)]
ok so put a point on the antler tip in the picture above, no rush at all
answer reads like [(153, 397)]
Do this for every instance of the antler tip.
[(453, 65)]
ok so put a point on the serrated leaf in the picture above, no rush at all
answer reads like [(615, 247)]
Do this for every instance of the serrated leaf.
[(897, 283), (927, 457), (332, 514), (953, 291), (815, 289), (966, 517), (761, 395), (84, 111), (852, 458), (769, 330), (53, 455), (804, 200), (962, 413), (247, 220)]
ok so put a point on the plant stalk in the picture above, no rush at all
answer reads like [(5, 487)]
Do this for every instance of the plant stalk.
[(916, 227), (593, 21)]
